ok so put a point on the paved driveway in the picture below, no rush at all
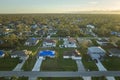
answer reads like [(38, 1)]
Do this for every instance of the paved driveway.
[(80, 65), (37, 64), (19, 66), (81, 68), (102, 68)]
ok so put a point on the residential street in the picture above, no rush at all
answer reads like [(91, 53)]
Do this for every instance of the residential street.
[(59, 74)]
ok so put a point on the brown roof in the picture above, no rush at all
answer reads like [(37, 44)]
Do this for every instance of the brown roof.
[(49, 41), (72, 53), (71, 39)]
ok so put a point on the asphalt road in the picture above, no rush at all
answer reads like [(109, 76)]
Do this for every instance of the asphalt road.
[(59, 74)]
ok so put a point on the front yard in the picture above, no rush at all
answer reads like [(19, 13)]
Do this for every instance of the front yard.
[(58, 64), (29, 64), (112, 63), (86, 60), (8, 64)]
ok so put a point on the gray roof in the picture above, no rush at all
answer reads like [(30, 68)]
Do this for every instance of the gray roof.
[(114, 51), (19, 53), (96, 49), (71, 53), (32, 41)]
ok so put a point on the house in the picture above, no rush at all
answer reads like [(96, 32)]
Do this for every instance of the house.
[(96, 52), (69, 42), (46, 53), (102, 41), (74, 54), (114, 52), (31, 42), (49, 43), (41, 32), (2, 54), (21, 54)]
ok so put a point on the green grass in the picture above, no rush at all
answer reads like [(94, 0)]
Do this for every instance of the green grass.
[(63, 78), (58, 64), (99, 78), (8, 64), (117, 78), (94, 42), (112, 63), (88, 63), (29, 64), (14, 78)]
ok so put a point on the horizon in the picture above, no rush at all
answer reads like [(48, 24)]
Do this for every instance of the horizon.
[(53, 6)]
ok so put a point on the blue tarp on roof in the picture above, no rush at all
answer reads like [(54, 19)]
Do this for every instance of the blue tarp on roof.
[(47, 53), (1, 52)]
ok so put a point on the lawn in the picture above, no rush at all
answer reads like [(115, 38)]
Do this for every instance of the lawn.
[(88, 63), (112, 63), (58, 64), (63, 78), (99, 78), (14, 78), (117, 78), (8, 64), (29, 64)]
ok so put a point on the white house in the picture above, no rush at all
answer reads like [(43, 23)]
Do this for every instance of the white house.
[(71, 54), (102, 41), (96, 52), (70, 42), (49, 43)]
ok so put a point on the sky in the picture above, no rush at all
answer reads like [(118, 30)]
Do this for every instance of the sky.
[(57, 6)]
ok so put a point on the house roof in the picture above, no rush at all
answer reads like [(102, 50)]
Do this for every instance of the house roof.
[(103, 40), (71, 39), (19, 53), (1, 52), (114, 51), (49, 41), (71, 53), (47, 53), (96, 49)]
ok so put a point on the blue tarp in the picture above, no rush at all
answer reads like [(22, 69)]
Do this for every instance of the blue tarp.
[(47, 53), (1, 53)]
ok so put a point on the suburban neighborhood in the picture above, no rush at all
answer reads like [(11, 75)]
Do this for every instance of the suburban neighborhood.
[(61, 51)]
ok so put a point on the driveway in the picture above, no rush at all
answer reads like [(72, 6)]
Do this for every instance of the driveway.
[(80, 65), (19, 66), (102, 68), (37, 64), (81, 68)]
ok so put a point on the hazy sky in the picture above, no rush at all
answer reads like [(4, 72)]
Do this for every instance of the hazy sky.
[(56, 6)]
